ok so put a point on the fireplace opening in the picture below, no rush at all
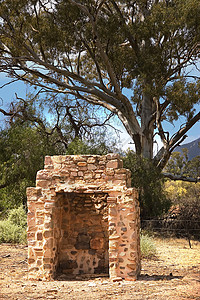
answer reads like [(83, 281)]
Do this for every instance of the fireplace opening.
[(84, 241)]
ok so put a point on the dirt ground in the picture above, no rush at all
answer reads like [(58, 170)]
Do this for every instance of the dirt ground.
[(173, 274)]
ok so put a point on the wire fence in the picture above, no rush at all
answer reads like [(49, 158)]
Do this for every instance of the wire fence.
[(187, 228)]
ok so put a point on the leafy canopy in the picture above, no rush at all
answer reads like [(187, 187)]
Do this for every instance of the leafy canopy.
[(96, 49)]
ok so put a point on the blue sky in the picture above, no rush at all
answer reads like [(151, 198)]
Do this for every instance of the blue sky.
[(7, 94)]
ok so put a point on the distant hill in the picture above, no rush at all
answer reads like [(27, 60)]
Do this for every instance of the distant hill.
[(193, 148)]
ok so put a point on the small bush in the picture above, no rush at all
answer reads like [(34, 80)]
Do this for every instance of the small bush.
[(18, 216), (11, 233), (13, 229), (147, 246)]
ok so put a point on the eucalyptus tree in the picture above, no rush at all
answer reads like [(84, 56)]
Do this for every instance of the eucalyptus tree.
[(130, 57)]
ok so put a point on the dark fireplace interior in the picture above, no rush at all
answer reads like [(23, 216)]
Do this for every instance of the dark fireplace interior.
[(83, 244)]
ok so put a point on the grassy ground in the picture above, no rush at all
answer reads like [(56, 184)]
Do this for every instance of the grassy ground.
[(173, 274)]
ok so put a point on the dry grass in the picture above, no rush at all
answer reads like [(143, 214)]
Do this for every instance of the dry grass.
[(174, 274)]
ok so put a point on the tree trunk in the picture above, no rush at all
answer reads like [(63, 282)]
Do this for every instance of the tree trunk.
[(147, 145), (147, 126)]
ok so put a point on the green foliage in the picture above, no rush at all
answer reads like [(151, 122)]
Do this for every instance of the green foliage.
[(11, 233), (180, 165), (147, 246), (147, 178), (97, 146), (13, 229), (92, 51), (182, 95), (18, 217), (22, 152)]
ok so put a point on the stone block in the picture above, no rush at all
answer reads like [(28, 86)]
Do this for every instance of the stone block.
[(48, 161), (42, 183), (91, 160), (113, 211), (39, 236), (92, 167), (113, 156), (112, 164), (48, 243), (82, 163), (131, 266), (48, 233), (97, 243), (111, 200), (31, 260)]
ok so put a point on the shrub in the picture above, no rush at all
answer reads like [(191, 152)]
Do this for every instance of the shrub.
[(13, 229), (147, 246), (11, 233), (18, 216), (183, 217)]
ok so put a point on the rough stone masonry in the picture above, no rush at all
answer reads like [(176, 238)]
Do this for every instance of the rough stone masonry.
[(83, 218)]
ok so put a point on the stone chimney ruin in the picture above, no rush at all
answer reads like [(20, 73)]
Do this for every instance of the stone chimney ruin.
[(83, 218)]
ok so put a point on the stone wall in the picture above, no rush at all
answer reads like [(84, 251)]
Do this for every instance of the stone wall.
[(83, 218)]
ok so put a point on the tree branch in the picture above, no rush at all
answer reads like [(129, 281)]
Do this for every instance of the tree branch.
[(181, 177)]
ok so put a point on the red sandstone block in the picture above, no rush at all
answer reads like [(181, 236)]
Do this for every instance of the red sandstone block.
[(48, 243), (112, 156), (119, 182), (121, 171), (42, 183), (113, 259), (38, 251), (98, 176), (81, 164), (73, 174), (31, 260), (39, 262), (33, 193), (88, 175), (83, 168), (47, 161), (73, 169), (91, 167), (31, 228), (114, 164), (30, 221), (109, 172), (120, 176), (39, 236), (117, 279), (30, 235), (131, 216), (80, 173), (111, 200), (58, 159), (128, 182), (91, 160), (131, 266), (130, 278), (42, 174)]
